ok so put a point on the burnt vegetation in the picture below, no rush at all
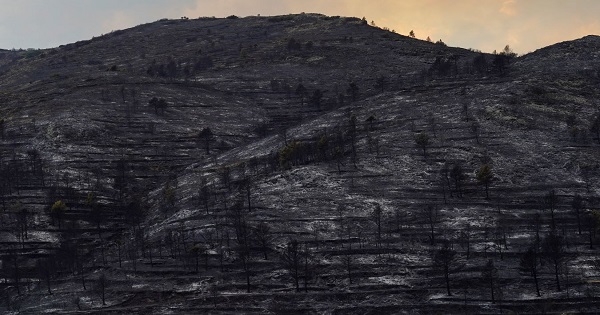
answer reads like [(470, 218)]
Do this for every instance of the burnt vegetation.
[(297, 163)]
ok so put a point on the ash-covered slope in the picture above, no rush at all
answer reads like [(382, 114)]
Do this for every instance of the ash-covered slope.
[(579, 56), (312, 178), (235, 76)]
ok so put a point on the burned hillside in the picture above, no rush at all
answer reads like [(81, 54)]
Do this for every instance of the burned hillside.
[(298, 163)]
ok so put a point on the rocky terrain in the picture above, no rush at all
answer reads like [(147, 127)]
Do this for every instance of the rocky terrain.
[(298, 164)]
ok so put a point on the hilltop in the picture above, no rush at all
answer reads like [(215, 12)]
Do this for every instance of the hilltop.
[(222, 165)]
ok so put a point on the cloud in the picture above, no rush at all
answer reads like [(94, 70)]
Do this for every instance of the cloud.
[(509, 8), (118, 20), (591, 27)]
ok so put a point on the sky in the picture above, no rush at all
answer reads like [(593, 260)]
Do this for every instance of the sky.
[(487, 25)]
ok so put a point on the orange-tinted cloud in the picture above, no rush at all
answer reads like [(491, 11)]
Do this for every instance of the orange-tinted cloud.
[(509, 8), (118, 20)]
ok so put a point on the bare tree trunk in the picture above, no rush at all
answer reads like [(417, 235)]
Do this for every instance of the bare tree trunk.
[(537, 286), (447, 277), (557, 278)]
